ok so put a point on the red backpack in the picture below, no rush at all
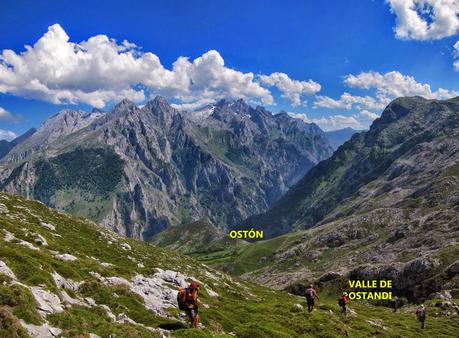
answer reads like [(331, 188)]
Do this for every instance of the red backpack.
[(181, 299)]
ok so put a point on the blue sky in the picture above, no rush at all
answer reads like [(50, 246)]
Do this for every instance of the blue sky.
[(335, 63)]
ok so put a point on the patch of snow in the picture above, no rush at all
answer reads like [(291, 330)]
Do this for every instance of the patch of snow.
[(106, 265), (48, 226), (202, 114), (140, 265), (93, 335), (6, 270)]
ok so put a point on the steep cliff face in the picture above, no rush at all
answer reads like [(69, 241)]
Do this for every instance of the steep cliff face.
[(384, 206), (5, 146), (402, 159), (140, 170)]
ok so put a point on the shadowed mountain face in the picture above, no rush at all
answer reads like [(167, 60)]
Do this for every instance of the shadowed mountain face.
[(384, 206), (140, 170), (403, 159), (6, 146)]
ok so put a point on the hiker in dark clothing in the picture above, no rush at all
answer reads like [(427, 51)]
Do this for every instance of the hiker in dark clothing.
[(311, 294), (343, 302), (421, 314), (394, 303), (188, 302)]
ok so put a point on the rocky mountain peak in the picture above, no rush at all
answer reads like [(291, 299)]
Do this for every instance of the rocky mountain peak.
[(124, 105), (401, 107), (159, 103), (238, 105)]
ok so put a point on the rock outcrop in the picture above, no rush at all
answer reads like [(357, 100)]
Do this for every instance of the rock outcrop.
[(140, 170)]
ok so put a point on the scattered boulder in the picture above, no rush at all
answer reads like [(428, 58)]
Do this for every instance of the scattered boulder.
[(90, 301), (126, 246), (453, 269), (66, 257), (3, 209), (377, 323), (8, 236), (454, 293), (109, 312), (40, 240), (64, 283), (447, 306), (41, 331), (47, 302), (123, 318), (297, 308), (332, 239), (4, 269), (441, 295), (28, 245), (48, 226), (329, 276)]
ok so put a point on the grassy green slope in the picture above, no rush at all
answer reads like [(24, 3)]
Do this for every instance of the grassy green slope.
[(241, 308)]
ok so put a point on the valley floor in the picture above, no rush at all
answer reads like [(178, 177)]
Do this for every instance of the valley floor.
[(65, 277)]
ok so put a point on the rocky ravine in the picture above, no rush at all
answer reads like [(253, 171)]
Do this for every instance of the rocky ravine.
[(66, 277), (385, 205), (140, 170)]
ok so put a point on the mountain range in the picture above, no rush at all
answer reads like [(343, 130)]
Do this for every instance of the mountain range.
[(139, 170), (385, 205)]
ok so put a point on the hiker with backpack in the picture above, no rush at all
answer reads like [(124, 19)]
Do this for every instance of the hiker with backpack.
[(187, 299), (311, 295), (394, 303), (421, 314), (343, 302)]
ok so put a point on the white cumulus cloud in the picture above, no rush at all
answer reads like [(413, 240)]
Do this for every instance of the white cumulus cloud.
[(332, 122), (100, 70), (393, 84), (292, 90), (7, 135), (425, 19), (348, 102), (368, 115), (456, 55)]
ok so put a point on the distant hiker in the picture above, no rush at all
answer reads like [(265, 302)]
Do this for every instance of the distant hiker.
[(394, 303), (311, 294), (187, 300), (343, 302), (421, 314)]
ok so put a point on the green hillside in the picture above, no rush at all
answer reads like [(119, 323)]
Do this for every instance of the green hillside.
[(69, 276)]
